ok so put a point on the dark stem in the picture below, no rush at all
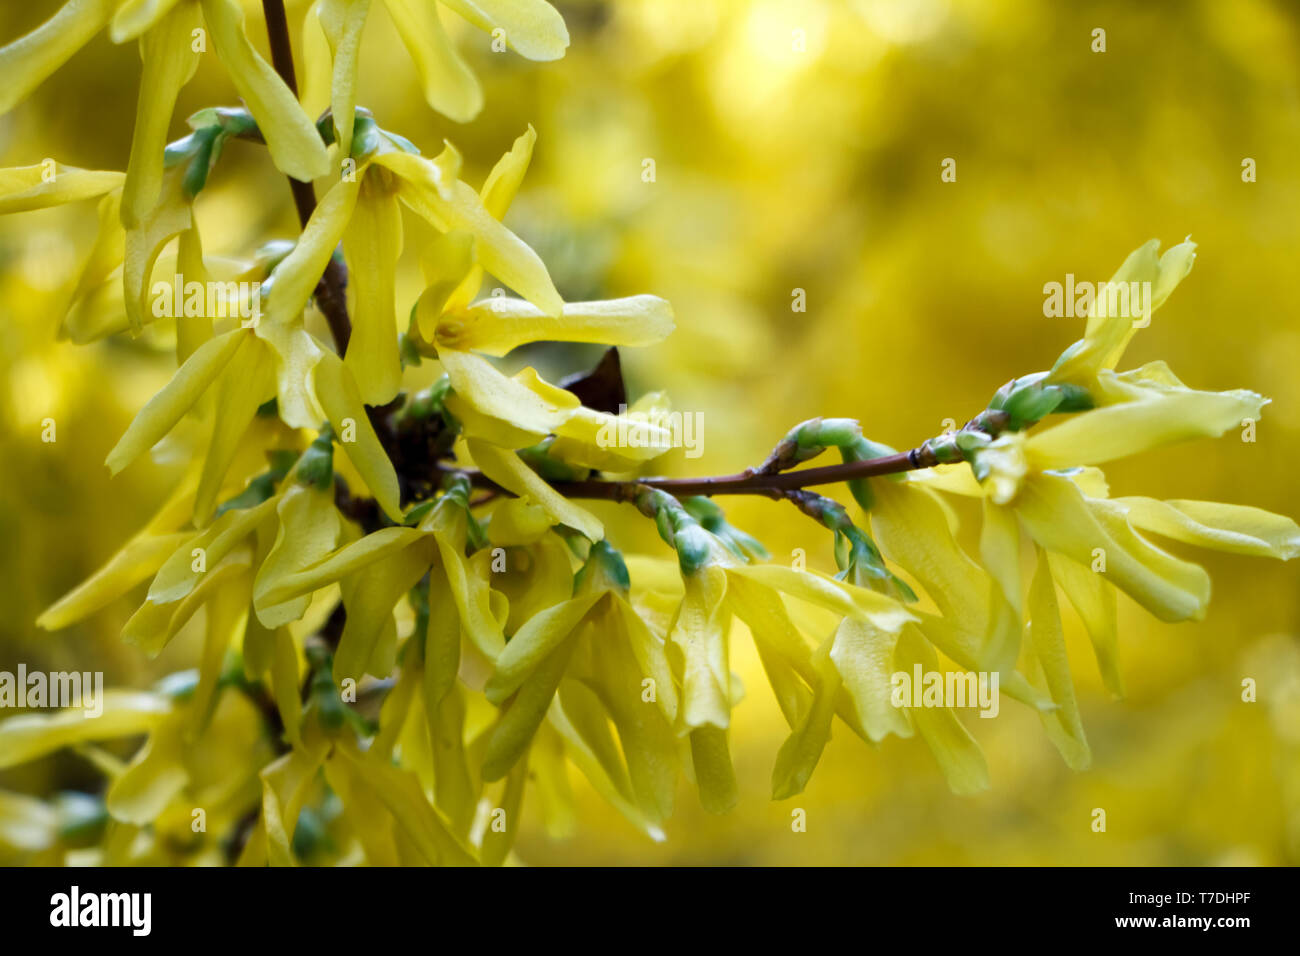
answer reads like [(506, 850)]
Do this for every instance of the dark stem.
[(749, 482), (331, 291)]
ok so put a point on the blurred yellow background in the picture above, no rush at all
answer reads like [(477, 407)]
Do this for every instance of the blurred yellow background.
[(797, 145)]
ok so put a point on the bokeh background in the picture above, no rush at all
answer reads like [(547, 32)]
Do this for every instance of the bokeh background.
[(797, 145)]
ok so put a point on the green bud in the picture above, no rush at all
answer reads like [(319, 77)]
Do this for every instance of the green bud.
[(80, 818), (604, 570), (316, 466)]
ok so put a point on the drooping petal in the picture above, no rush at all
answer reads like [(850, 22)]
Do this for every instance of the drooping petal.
[(1093, 599), (824, 591), (161, 413), (1237, 529), (864, 657), (497, 324), (165, 221), (1129, 428), (801, 751), (519, 720), (532, 28), (369, 596), (134, 17), (290, 135), (714, 775), (343, 22), (296, 355), (169, 63), (699, 636), (309, 527), (247, 381), (452, 206), (142, 556), (508, 470), (450, 86), (1095, 533), (295, 277), (1048, 657), (534, 642), (182, 571), (524, 401), (372, 244), (958, 755), (125, 713), (345, 561), (338, 394), (27, 62), (23, 188)]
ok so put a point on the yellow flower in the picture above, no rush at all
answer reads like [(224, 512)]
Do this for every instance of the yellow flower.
[(331, 40), (166, 30)]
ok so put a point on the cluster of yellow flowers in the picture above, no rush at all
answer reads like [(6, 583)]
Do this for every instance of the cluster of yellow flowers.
[(503, 635)]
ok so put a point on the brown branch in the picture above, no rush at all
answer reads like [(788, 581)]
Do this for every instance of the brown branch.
[(331, 290), (750, 482)]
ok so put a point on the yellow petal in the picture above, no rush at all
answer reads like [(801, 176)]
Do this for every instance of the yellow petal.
[(28, 61), (503, 181), (372, 244), (824, 591), (700, 640), (343, 22), (534, 642), (450, 87), (579, 751), (497, 324), (1129, 428), (296, 355), (294, 279), (1063, 725), (524, 401), (226, 611), (519, 720), (1095, 533), (452, 206), (134, 17), (338, 564), (1107, 334), (497, 842), (161, 413), (955, 750), (509, 471), (247, 381), (338, 395), (864, 657), (532, 28), (169, 63), (178, 577), (155, 776), (290, 135), (165, 221), (801, 751), (286, 784), (714, 775), (139, 558), (125, 713), (1094, 601), (369, 596), (51, 184), (1237, 529), (309, 527)]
